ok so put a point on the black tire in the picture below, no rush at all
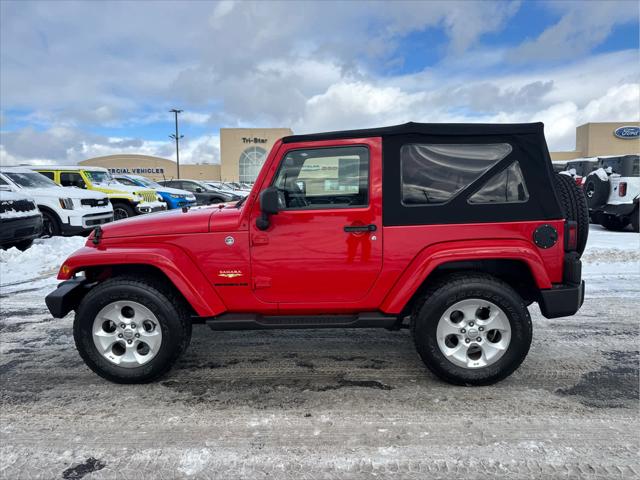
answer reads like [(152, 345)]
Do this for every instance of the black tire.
[(596, 190), (635, 219), (461, 286), (50, 224), (22, 246), (615, 224), (169, 310), (574, 207), (122, 210)]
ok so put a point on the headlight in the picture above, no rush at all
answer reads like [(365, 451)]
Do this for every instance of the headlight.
[(137, 198), (176, 195), (66, 203), (191, 198)]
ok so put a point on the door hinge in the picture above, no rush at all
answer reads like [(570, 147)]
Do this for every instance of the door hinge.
[(261, 282), (260, 240)]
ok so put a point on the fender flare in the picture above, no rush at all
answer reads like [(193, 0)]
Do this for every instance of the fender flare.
[(428, 259), (170, 259)]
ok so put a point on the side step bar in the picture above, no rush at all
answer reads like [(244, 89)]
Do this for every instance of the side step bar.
[(250, 321)]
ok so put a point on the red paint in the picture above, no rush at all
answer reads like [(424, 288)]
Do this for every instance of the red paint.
[(305, 262)]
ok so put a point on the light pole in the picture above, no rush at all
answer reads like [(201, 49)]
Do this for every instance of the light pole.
[(177, 138)]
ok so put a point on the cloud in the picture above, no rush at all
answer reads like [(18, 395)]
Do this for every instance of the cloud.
[(581, 27), (62, 144), (72, 69)]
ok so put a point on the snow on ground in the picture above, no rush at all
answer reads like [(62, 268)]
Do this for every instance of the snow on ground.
[(40, 262)]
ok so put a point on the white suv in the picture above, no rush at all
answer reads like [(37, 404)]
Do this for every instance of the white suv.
[(613, 192), (65, 210)]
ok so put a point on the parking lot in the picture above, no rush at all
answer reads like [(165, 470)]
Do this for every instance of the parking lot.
[(323, 403)]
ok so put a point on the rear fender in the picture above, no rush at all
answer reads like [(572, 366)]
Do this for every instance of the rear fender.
[(171, 260), (438, 254)]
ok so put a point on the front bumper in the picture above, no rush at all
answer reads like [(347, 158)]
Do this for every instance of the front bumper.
[(150, 207), (86, 223), (67, 296), (20, 228)]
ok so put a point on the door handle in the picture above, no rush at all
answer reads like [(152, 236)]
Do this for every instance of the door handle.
[(360, 228)]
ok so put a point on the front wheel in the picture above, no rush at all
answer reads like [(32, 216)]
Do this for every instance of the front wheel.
[(122, 210), (472, 329), (616, 224), (129, 330)]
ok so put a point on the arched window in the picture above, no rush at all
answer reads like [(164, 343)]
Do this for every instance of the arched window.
[(251, 161)]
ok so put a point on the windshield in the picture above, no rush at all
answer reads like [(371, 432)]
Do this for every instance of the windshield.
[(148, 182), (99, 177), (127, 181), (31, 180), (205, 187)]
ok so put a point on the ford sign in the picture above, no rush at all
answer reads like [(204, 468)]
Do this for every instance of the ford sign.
[(627, 132)]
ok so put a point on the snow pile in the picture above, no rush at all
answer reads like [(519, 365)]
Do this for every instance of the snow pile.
[(42, 260)]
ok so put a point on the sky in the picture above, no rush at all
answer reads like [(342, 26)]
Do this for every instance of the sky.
[(84, 79)]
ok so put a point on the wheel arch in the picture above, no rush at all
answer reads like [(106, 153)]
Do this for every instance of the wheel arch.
[(168, 264), (515, 262)]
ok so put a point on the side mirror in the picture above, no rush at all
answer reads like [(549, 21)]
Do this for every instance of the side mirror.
[(269, 205), (199, 190)]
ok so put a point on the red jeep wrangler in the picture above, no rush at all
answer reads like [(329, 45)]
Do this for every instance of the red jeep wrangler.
[(450, 230)]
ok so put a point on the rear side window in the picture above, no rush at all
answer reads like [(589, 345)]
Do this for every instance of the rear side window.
[(433, 174), (71, 179), (49, 175), (506, 186)]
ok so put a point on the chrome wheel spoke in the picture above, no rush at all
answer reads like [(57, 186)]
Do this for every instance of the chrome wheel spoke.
[(104, 340), (152, 339), (496, 321)]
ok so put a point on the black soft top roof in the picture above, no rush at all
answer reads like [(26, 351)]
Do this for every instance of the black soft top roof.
[(425, 129)]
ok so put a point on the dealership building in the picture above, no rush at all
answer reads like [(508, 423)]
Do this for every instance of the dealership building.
[(244, 150)]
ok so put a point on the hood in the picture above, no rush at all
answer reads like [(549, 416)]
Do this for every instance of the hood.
[(170, 222), (63, 192), (115, 186)]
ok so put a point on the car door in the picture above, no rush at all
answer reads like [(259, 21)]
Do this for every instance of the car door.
[(325, 243)]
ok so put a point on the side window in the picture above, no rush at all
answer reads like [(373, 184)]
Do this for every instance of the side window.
[(72, 179), (432, 174), (49, 175), (324, 178), (188, 186), (506, 186)]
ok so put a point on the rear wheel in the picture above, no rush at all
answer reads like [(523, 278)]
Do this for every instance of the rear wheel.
[(129, 330), (574, 207), (472, 329), (122, 210)]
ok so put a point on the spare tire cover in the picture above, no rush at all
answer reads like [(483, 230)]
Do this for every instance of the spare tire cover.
[(596, 189)]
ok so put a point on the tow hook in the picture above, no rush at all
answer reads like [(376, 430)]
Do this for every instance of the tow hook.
[(97, 235)]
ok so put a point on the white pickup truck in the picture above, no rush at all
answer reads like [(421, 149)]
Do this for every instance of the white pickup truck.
[(65, 210)]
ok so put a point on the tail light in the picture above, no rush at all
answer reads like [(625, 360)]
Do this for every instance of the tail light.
[(579, 180), (622, 189), (570, 236)]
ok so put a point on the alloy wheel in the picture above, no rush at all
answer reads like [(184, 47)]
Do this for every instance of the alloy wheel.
[(473, 333), (127, 334)]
